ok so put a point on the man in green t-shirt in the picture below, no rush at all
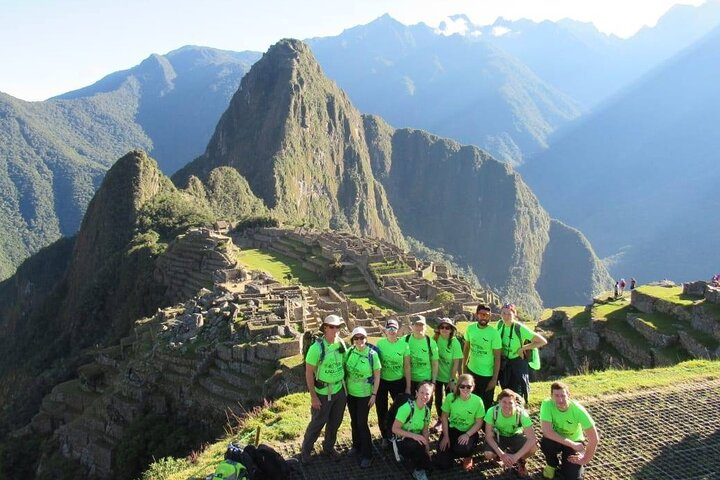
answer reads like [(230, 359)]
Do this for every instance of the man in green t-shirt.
[(324, 374), (568, 432), (424, 354), (481, 354)]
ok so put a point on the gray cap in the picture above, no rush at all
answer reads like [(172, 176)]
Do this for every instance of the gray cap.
[(418, 319)]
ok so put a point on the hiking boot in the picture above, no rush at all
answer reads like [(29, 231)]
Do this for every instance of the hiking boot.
[(419, 475), (468, 464), (520, 469), (332, 454), (353, 451), (365, 463), (306, 458), (549, 472)]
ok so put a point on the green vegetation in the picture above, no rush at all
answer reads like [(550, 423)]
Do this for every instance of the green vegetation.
[(284, 269), (671, 294)]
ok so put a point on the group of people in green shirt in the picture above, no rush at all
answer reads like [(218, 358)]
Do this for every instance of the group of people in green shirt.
[(414, 368)]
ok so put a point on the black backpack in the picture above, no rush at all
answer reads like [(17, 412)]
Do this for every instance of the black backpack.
[(269, 464), (399, 401)]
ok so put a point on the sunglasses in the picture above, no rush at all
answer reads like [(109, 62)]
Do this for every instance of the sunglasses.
[(332, 326), (391, 329), (465, 386), (444, 327), (358, 338)]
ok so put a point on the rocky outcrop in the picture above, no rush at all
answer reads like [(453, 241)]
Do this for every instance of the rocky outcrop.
[(651, 334)]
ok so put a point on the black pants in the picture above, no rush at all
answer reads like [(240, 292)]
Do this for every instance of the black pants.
[(440, 391), (359, 411), (394, 388), (445, 457), (551, 449), (515, 375), (481, 384), (415, 453)]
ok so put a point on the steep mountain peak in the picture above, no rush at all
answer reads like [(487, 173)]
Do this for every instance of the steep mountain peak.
[(299, 142)]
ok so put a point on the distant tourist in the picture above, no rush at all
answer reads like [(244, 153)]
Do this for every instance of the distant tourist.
[(462, 419), (633, 284), (394, 373), (568, 432), (423, 353), (450, 354), (362, 367), (716, 280), (324, 375), (518, 341), (617, 289), (412, 428), (622, 285), (482, 354), (509, 435)]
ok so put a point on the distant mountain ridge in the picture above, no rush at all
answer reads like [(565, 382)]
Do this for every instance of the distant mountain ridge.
[(640, 175)]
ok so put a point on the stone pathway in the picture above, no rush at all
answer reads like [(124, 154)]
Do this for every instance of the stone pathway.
[(671, 433)]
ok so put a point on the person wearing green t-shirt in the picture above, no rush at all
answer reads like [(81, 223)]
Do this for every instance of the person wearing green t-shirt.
[(362, 367), (509, 435), (462, 419), (411, 427), (481, 354), (423, 353), (518, 342), (569, 432), (394, 372), (324, 375), (449, 357)]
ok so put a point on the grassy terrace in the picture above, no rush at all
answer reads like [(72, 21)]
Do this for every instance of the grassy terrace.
[(285, 269), (285, 420)]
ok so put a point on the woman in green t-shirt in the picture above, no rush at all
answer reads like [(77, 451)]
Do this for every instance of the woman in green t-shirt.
[(462, 419), (450, 353), (509, 435), (411, 427), (394, 372), (362, 375)]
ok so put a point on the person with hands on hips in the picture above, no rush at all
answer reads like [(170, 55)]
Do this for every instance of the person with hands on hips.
[(412, 428), (566, 427), (462, 419)]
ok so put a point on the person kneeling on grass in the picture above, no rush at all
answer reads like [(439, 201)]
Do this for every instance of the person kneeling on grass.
[(411, 427), (462, 419), (509, 436), (565, 425)]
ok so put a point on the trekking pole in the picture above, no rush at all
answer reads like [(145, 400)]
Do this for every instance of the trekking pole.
[(257, 435)]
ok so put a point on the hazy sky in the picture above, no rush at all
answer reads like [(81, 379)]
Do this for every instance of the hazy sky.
[(48, 47)]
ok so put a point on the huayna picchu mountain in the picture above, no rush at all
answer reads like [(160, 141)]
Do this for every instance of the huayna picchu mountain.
[(313, 159)]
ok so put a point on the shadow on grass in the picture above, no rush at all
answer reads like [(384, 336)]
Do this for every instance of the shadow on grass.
[(694, 457)]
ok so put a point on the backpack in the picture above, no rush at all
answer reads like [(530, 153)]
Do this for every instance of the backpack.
[(518, 420), (399, 401), (534, 361), (371, 359), (269, 463), (230, 470), (427, 338), (309, 339)]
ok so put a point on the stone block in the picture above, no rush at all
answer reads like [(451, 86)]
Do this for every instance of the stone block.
[(224, 352), (712, 295), (696, 289)]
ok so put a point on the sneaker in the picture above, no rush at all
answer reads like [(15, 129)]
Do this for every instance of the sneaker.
[(468, 464), (365, 463), (520, 469), (306, 458), (419, 475), (353, 451), (549, 472)]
